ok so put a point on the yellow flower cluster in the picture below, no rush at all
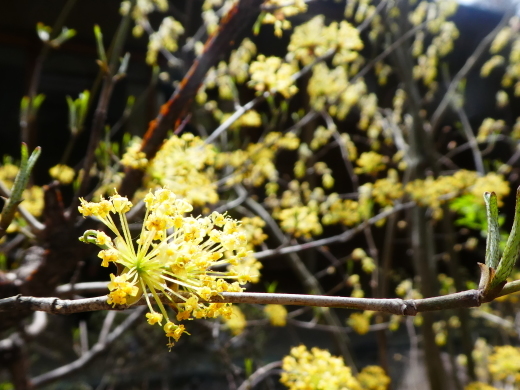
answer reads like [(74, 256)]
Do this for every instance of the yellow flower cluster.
[(313, 39), (373, 378), (251, 118), (175, 255), (274, 75), (501, 40), (298, 209), (277, 314), (317, 369), (512, 74), (63, 173), (133, 156), (255, 164), (330, 89), (406, 291), (492, 63), (278, 17), (435, 15), (141, 10), (226, 74), (253, 228), (337, 210), (185, 164), (236, 322), (300, 221), (357, 290), (370, 163), (164, 38), (386, 191), (239, 60), (489, 127), (504, 364), (211, 17), (360, 322), (433, 192)]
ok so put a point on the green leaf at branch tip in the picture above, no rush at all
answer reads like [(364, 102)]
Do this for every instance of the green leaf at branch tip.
[(20, 182), (99, 43), (37, 102), (258, 23), (493, 232), (510, 254)]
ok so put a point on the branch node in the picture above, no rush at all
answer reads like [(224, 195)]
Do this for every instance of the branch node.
[(409, 308)]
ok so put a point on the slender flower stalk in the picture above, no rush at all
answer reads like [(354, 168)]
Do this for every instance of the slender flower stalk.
[(174, 253)]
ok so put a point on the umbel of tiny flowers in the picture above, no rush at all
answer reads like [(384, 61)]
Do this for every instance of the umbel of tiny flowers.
[(175, 255)]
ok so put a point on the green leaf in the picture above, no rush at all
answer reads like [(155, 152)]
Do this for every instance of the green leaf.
[(99, 42), (493, 232), (20, 182), (510, 254)]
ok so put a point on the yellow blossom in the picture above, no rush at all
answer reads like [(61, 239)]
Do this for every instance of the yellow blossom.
[(316, 369), (174, 255), (370, 163), (133, 157), (360, 322), (63, 173), (273, 75), (235, 321), (373, 378), (186, 165), (164, 38), (277, 314), (504, 362), (281, 11)]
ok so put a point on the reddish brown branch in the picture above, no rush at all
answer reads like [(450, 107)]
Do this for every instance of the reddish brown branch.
[(172, 113)]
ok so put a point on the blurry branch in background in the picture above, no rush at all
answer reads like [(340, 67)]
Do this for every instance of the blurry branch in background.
[(113, 68), (174, 111), (463, 72), (52, 38), (104, 342)]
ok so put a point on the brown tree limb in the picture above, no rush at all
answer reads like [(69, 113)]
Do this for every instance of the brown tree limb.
[(408, 307), (177, 107)]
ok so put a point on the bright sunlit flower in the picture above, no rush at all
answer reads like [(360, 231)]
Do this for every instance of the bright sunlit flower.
[(316, 369), (175, 255)]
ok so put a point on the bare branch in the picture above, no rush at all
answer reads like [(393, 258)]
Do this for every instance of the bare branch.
[(259, 375), (345, 236), (96, 350), (470, 62), (469, 298)]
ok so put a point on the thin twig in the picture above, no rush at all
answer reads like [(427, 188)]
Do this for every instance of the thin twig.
[(462, 73), (345, 236), (259, 375), (96, 350)]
